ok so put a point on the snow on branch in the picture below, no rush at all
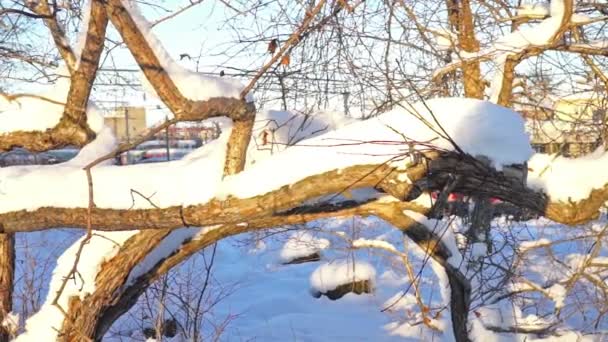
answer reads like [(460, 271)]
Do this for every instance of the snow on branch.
[(478, 127), (193, 85), (189, 95), (193, 191), (47, 322), (568, 179), (529, 41), (64, 115), (43, 112)]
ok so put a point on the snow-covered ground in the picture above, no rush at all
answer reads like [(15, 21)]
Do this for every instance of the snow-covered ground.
[(253, 295)]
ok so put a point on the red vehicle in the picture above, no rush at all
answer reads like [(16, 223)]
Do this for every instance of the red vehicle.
[(456, 197)]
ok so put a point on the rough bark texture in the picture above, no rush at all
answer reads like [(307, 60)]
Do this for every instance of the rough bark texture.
[(132, 292), (473, 85), (92, 317), (461, 19), (72, 129), (7, 274), (83, 316), (506, 88), (82, 80), (229, 210), (237, 146), (476, 178), (182, 107)]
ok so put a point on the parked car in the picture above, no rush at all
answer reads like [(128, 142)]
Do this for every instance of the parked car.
[(159, 159), (63, 154), (20, 156)]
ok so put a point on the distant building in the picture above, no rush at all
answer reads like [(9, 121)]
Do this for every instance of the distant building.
[(199, 133), (577, 125), (589, 107), (118, 122)]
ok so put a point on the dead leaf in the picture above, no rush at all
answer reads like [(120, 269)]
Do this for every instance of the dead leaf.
[(344, 4), (265, 137), (272, 46), (285, 60)]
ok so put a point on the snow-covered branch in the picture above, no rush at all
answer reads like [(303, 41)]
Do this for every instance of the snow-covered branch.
[(39, 125), (189, 95)]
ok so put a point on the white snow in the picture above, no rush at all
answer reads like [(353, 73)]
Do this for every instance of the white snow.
[(528, 245), (329, 276), (164, 249), (163, 183), (45, 324), (445, 38), (444, 231), (425, 200), (558, 294), (193, 85), (538, 34), (515, 42), (478, 127), (255, 284), (375, 243), (84, 27), (479, 250), (302, 244), (43, 111), (564, 179), (104, 143), (276, 130)]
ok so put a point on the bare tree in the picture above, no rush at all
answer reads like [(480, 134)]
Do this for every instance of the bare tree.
[(428, 48)]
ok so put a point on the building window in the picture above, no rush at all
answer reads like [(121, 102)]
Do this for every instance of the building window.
[(539, 148)]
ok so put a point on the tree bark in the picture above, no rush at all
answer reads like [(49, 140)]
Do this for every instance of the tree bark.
[(91, 317), (7, 274), (83, 316), (506, 87), (461, 19), (72, 128), (460, 302)]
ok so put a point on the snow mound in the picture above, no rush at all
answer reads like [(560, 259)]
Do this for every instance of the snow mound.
[(302, 244), (329, 276), (564, 179), (479, 128)]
